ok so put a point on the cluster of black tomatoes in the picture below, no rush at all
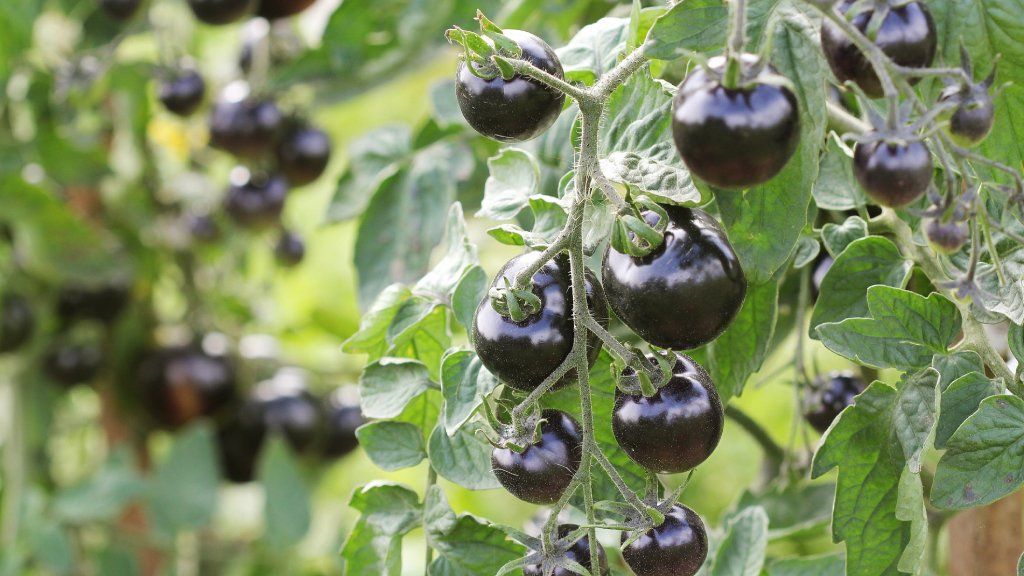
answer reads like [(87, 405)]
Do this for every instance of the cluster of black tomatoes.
[(217, 12)]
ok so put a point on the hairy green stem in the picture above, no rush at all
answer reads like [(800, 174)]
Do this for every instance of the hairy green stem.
[(519, 411), (734, 44), (428, 557), (525, 278)]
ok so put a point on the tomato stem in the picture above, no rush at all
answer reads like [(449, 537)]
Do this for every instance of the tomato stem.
[(734, 43)]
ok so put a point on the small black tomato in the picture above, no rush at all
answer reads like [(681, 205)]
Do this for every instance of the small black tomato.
[(830, 396), (543, 470), (103, 302), (204, 228), (182, 384), (678, 427), (303, 153), (120, 9), (578, 552), (245, 128), (17, 322), (517, 109), (676, 548), (734, 137), (906, 35), (974, 115), (68, 363), (239, 448), (183, 95), (256, 201), (946, 237), (523, 354), (342, 416), (290, 249), (274, 9), (219, 12), (893, 172), (686, 292)]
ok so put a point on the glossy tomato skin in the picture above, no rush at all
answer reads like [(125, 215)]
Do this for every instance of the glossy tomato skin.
[(834, 393), (544, 470), (181, 384), (907, 36), (676, 548), (678, 427), (69, 363), (734, 138), (246, 128), (686, 292), (183, 95), (303, 153), (523, 354), (104, 302), (238, 448), (17, 322), (342, 416), (120, 9), (580, 552), (290, 249), (219, 12), (894, 174), (512, 110), (256, 202), (274, 9), (946, 237)]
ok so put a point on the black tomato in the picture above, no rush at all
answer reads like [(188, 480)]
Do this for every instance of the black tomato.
[(256, 201), (182, 384), (239, 449), (686, 292), (290, 249), (103, 302), (907, 36), (678, 427), (68, 363), (120, 9), (219, 12), (946, 237), (734, 137), (543, 470), (245, 128), (302, 154), (342, 416), (517, 109), (523, 354), (974, 116), (893, 173), (183, 95), (17, 322), (579, 552), (676, 548), (831, 395), (204, 228), (274, 9)]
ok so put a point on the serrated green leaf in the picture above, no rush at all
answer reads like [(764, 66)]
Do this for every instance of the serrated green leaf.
[(1015, 341), (286, 507), (371, 160), (960, 399), (594, 50), (836, 187), (461, 255), (904, 330), (831, 565), (371, 338), (426, 340), (392, 445), (514, 178), (694, 25), (389, 384), (984, 458), (742, 348), (742, 551), (470, 290), (910, 508), (864, 263), (793, 508), (463, 458), (182, 494), (464, 383), (838, 236), (466, 546), (389, 512)]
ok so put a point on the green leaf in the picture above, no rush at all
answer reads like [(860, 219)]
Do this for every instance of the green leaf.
[(423, 412), (387, 385), (465, 383), (742, 551), (389, 512), (372, 159), (960, 399), (831, 565), (1015, 340), (444, 106), (741, 349), (838, 236), (872, 443), (694, 25), (103, 495), (469, 292), (286, 506), (16, 19), (424, 334), (461, 255), (548, 220), (904, 331), (463, 458), (594, 50), (793, 508), (372, 336), (807, 249), (183, 492), (864, 263), (956, 365), (466, 546), (514, 177), (836, 187), (392, 445), (910, 508), (984, 459), (636, 142)]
